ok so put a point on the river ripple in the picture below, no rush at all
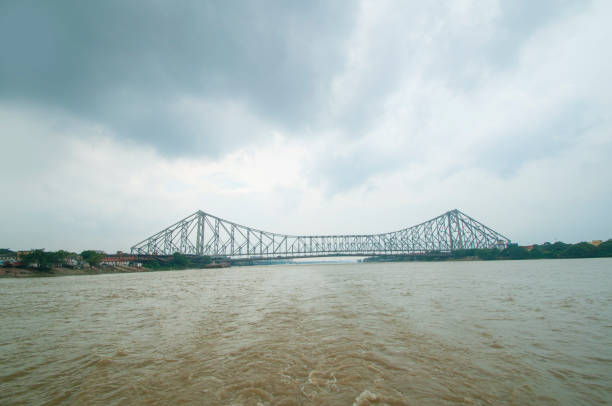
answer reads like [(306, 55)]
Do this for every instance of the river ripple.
[(477, 333)]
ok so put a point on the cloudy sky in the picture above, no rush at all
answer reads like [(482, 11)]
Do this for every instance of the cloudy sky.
[(119, 118)]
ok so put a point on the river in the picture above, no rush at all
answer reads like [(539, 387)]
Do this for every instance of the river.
[(473, 333)]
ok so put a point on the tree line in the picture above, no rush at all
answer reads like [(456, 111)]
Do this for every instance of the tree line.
[(45, 260), (178, 261), (555, 250)]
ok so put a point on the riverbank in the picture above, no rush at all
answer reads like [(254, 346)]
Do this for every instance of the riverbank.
[(33, 273), (15, 272)]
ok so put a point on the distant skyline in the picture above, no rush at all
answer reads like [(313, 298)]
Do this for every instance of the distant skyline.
[(119, 118)]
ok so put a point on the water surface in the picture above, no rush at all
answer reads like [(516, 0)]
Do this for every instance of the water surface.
[(476, 333)]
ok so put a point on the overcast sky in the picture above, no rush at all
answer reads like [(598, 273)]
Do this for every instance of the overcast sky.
[(118, 118)]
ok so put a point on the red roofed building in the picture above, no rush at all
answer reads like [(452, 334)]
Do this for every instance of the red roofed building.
[(114, 260)]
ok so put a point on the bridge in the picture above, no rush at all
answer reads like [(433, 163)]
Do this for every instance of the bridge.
[(204, 234)]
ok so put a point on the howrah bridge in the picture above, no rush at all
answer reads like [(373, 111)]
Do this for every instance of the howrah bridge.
[(204, 234)]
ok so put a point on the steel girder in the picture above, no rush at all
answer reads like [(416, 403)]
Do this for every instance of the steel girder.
[(204, 234)]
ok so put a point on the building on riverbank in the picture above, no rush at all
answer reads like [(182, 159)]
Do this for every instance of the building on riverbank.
[(7, 257), (120, 260)]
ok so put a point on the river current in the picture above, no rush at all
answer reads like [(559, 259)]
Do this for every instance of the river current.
[(473, 333)]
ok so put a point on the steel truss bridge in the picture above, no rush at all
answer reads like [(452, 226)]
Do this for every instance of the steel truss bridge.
[(204, 234)]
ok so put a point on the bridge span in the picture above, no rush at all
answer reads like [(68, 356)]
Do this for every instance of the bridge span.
[(204, 234)]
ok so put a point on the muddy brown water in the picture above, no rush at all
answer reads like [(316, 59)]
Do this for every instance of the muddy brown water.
[(474, 333)]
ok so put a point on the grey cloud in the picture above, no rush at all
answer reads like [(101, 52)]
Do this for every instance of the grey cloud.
[(129, 65), (505, 153), (432, 57), (126, 64), (341, 171), (520, 20), (428, 43), (467, 53)]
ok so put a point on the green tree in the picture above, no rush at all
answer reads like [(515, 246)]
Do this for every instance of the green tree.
[(557, 249), (39, 259), (536, 252), (515, 252), (605, 249), (59, 257), (93, 258), (580, 250), (180, 259), (488, 254)]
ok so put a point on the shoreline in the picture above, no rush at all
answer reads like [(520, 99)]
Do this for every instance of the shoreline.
[(12, 272)]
